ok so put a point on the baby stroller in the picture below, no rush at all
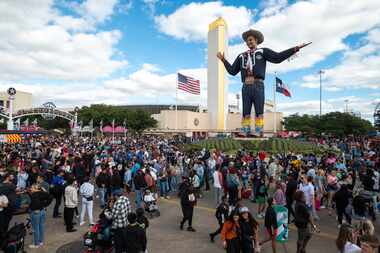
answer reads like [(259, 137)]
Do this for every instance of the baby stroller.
[(363, 206), (15, 238), (150, 204), (99, 238)]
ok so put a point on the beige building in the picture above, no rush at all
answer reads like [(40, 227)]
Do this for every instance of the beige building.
[(22, 100), (189, 121)]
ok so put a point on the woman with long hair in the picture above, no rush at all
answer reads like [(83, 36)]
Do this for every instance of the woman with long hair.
[(346, 240), (249, 228), (230, 234)]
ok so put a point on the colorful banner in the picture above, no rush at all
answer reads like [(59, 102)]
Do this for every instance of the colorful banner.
[(282, 223), (10, 138)]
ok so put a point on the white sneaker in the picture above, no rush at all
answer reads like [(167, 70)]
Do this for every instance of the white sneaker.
[(322, 207), (32, 246), (82, 223), (41, 244)]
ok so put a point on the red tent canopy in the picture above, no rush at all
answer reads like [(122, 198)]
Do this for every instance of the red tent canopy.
[(118, 129)]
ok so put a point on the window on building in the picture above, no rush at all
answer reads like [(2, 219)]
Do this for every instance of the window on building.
[(7, 104)]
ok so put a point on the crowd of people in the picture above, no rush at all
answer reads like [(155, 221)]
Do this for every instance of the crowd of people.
[(74, 172)]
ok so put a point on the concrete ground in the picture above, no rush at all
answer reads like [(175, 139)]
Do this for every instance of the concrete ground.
[(164, 234)]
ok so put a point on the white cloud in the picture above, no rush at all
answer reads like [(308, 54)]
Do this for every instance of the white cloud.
[(144, 86), (39, 43), (99, 10), (149, 85), (271, 7), (190, 22), (326, 23), (358, 68), (355, 104)]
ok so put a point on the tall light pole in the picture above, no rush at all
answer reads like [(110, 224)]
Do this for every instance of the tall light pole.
[(238, 101), (12, 93), (320, 72), (346, 105)]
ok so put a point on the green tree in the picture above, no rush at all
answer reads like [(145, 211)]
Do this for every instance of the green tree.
[(137, 121), (334, 124)]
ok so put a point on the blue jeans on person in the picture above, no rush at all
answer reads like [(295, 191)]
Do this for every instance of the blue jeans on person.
[(138, 198), (102, 196), (164, 188), (173, 183), (37, 218), (253, 94), (218, 195)]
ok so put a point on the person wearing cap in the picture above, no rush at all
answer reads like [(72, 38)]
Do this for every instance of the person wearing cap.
[(252, 64), (249, 228)]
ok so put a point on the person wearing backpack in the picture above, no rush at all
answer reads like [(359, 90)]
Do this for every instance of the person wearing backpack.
[(39, 201), (233, 185)]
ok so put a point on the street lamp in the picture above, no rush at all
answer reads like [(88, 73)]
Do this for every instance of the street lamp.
[(238, 98), (320, 72), (346, 105)]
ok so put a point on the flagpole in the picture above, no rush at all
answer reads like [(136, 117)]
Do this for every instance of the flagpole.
[(176, 103), (274, 106), (113, 131)]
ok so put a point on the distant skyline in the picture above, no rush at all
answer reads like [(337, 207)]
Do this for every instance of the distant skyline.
[(75, 53)]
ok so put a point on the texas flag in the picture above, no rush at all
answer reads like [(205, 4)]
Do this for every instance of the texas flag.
[(282, 88)]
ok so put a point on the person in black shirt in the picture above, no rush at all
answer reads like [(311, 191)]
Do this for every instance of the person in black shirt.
[(8, 189), (103, 181), (291, 188), (140, 185), (302, 220), (134, 236), (341, 199), (249, 227), (188, 201), (221, 215), (270, 223), (39, 201)]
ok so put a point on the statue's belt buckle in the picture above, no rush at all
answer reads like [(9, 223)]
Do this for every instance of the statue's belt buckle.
[(249, 80)]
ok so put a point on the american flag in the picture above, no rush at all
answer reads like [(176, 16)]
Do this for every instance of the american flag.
[(189, 84)]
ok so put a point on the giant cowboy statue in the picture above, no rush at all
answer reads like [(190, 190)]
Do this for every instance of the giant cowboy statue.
[(251, 64)]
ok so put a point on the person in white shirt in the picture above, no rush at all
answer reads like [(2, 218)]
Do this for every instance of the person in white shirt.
[(86, 191), (346, 239), (273, 169), (71, 202), (308, 189), (218, 182)]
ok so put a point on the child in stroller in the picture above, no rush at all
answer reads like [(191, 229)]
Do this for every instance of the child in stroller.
[(150, 204), (99, 238)]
